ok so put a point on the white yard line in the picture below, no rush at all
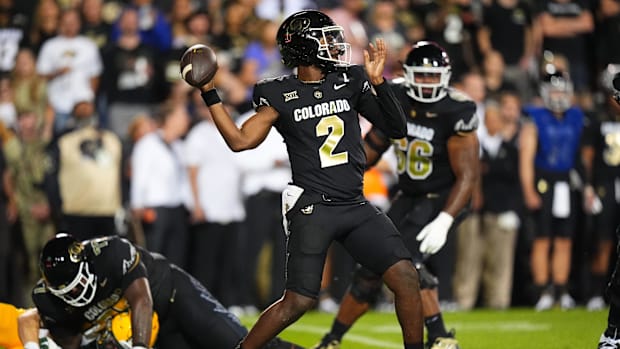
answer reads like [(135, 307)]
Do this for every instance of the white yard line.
[(504, 326)]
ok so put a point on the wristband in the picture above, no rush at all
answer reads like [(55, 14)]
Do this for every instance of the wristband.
[(31, 345), (211, 97)]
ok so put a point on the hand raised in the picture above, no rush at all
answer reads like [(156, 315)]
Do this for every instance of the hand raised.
[(374, 61)]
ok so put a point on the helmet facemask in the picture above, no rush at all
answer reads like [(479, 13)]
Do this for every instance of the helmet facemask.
[(80, 291), (557, 94), (331, 45), (427, 92)]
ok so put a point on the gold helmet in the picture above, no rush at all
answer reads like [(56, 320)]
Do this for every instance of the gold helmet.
[(120, 327)]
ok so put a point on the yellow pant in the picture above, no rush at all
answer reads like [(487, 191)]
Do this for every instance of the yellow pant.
[(9, 337)]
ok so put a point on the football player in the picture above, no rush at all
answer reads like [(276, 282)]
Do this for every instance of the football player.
[(548, 147), (9, 337), (87, 283), (316, 112), (437, 168), (610, 339)]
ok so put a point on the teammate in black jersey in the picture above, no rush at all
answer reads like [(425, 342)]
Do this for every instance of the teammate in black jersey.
[(437, 168), (610, 339), (87, 283), (316, 111)]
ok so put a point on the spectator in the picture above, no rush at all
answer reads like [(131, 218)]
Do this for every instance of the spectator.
[(154, 27), (217, 211), (608, 28), (180, 14), (27, 165), (564, 26), (266, 172), (132, 78), (94, 26), (384, 23), (7, 217), (30, 92), (14, 34), (8, 113), (261, 59), (276, 10), (139, 127), (159, 186), (85, 181), (494, 81), (453, 25), (548, 148), (71, 64), (45, 23), (348, 14), (487, 239), (507, 29)]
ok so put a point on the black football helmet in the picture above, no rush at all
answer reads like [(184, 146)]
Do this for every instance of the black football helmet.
[(312, 38), (66, 271), (427, 58), (556, 90)]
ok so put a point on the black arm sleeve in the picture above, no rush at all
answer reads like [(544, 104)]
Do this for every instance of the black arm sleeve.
[(385, 111)]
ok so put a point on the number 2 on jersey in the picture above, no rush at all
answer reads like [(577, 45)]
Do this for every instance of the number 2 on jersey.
[(333, 128), (414, 157)]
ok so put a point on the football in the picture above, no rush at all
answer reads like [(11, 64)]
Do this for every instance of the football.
[(198, 65)]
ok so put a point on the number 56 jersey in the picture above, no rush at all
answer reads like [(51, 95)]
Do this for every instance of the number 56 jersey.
[(423, 162), (320, 126)]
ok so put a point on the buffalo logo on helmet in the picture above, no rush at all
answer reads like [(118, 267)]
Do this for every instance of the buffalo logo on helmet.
[(75, 252)]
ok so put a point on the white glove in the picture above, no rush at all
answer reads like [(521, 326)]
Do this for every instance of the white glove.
[(435, 233)]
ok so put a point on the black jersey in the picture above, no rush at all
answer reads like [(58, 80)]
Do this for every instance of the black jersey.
[(423, 164), (604, 136), (320, 126), (116, 263)]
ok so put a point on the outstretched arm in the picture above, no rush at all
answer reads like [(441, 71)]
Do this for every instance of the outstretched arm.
[(138, 295), (252, 132)]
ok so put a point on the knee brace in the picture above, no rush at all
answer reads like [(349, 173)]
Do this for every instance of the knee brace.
[(428, 281), (365, 286)]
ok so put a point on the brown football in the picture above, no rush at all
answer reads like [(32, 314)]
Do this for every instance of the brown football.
[(198, 65)]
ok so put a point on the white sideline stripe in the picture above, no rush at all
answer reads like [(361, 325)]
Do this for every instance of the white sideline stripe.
[(504, 326), (320, 330)]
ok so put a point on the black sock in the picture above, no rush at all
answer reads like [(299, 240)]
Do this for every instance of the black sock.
[(560, 290), (613, 320), (435, 326), (414, 346), (338, 329)]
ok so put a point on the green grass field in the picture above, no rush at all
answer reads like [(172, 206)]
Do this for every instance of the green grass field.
[(480, 329)]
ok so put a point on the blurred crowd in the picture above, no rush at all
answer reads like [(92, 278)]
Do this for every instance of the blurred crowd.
[(100, 136)]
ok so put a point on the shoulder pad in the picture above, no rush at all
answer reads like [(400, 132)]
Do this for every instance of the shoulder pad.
[(397, 81), (459, 96), (268, 80)]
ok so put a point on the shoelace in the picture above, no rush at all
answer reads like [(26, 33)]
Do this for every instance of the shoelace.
[(608, 343)]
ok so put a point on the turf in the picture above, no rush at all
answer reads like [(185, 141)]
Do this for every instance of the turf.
[(479, 329)]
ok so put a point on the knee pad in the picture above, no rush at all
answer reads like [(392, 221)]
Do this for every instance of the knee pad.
[(366, 286), (428, 281)]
